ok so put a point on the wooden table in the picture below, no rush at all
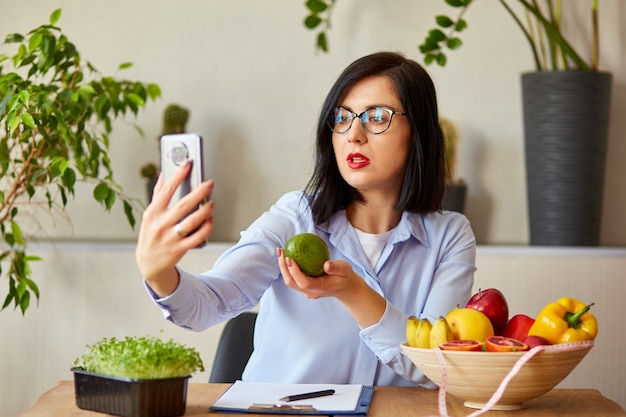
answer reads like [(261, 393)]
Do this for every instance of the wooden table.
[(387, 401)]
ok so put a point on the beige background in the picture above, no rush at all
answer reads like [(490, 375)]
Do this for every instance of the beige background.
[(249, 73)]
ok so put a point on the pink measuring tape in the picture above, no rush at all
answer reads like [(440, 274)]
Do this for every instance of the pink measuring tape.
[(443, 410)]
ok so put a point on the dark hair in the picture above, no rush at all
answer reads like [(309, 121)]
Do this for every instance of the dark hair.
[(423, 185)]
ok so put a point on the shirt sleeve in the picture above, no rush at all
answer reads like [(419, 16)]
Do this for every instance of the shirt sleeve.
[(384, 339), (193, 305)]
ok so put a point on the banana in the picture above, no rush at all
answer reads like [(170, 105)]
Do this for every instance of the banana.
[(422, 335), (440, 333), (411, 329)]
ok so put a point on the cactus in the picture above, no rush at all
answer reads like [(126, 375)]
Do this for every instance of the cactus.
[(175, 119), (451, 140)]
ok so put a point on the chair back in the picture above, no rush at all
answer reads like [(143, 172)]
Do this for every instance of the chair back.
[(234, 348)]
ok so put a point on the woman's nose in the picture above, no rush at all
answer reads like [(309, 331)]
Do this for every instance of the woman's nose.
[(357, 132)]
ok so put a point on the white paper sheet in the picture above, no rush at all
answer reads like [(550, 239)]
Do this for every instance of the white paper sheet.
[(242, 395)]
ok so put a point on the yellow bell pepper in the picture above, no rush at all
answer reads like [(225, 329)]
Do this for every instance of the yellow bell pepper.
[(566, 320)]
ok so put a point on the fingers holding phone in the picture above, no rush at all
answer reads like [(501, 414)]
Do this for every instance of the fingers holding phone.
[(182, 153), (194, 219)]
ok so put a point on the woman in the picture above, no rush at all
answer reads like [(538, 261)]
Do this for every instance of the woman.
[(374, 197)]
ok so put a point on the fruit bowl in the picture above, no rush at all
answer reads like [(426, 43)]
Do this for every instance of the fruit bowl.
[(475, 376)]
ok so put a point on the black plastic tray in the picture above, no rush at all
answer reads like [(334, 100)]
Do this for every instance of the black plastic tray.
[(130, 397)]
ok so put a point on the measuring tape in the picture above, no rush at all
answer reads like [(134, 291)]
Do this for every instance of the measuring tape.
[(443, 409)]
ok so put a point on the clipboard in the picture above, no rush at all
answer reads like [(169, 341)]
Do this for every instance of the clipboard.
[(263, 398)]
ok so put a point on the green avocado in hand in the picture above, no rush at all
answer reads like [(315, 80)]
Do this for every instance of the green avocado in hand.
[(309, 251)]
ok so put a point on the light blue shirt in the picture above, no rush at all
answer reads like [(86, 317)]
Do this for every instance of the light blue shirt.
[(426, 269)]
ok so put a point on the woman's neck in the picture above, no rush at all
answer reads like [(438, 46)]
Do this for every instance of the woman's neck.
[(373, 217)]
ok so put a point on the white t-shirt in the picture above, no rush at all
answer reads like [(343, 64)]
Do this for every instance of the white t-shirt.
[(373, 244)]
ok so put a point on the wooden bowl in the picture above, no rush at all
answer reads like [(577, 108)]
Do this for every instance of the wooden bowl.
[(475, 376)]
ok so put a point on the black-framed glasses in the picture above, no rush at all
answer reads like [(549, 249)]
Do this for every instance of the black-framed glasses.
[(375, 120)]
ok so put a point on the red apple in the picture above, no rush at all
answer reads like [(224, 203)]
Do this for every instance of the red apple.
[(518, 327), (492, 303), (532, 341)]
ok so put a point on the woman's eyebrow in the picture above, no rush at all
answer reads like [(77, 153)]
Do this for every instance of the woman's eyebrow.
[(370, 106)]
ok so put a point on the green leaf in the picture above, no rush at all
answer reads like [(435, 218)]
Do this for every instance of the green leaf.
[(455, 3), (429, 45), (63, 196), (444, 21), (436, 35), (7, 300), (441, 59), (30, 190), (37, 174), (316, 6), (424, 48), (87, 88), (454, 43), (28, 120), (55, 16), (14, 38), (17, 233), (139, 130), (312, 21), (25, 302), (461, 25), (100, 192), (31, 284), (13, 124), (34, 41), (69, 179), (24, 97), (125, 65), (322, 43), (136, 99), (21, 288), (154, 91), (128, 211), (110, 200)]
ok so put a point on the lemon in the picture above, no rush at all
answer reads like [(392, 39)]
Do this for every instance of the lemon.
[(309, 251), (469, 324)]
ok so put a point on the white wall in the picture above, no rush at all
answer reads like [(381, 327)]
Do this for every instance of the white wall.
[(232, 61), (94, 291)]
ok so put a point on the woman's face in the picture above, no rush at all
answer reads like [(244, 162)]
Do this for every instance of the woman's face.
[(369, 162)]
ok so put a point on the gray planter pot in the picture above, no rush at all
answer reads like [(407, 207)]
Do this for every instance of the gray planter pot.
[(566, 115), (454, 197)]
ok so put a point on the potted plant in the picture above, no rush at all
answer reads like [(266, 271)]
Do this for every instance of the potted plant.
[(175, 119), (135, 377), (56, 114), (456, 189), (565, 136)]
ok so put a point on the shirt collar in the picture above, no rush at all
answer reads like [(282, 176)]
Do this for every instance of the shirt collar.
[(411, 225)]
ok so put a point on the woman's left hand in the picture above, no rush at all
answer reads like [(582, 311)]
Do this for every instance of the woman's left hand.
[(339, 281)]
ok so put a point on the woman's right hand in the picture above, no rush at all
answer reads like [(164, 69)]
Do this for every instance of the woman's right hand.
[(160, 245)]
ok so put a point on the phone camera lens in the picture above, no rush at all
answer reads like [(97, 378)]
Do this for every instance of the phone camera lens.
[(179, 153)]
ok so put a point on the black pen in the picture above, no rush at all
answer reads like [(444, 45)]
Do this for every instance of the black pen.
[(308, 395)]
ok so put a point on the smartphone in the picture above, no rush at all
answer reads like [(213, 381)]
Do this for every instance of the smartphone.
[(175, 149)]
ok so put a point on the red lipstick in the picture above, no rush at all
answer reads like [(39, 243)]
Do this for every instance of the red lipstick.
[(357, 160)]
